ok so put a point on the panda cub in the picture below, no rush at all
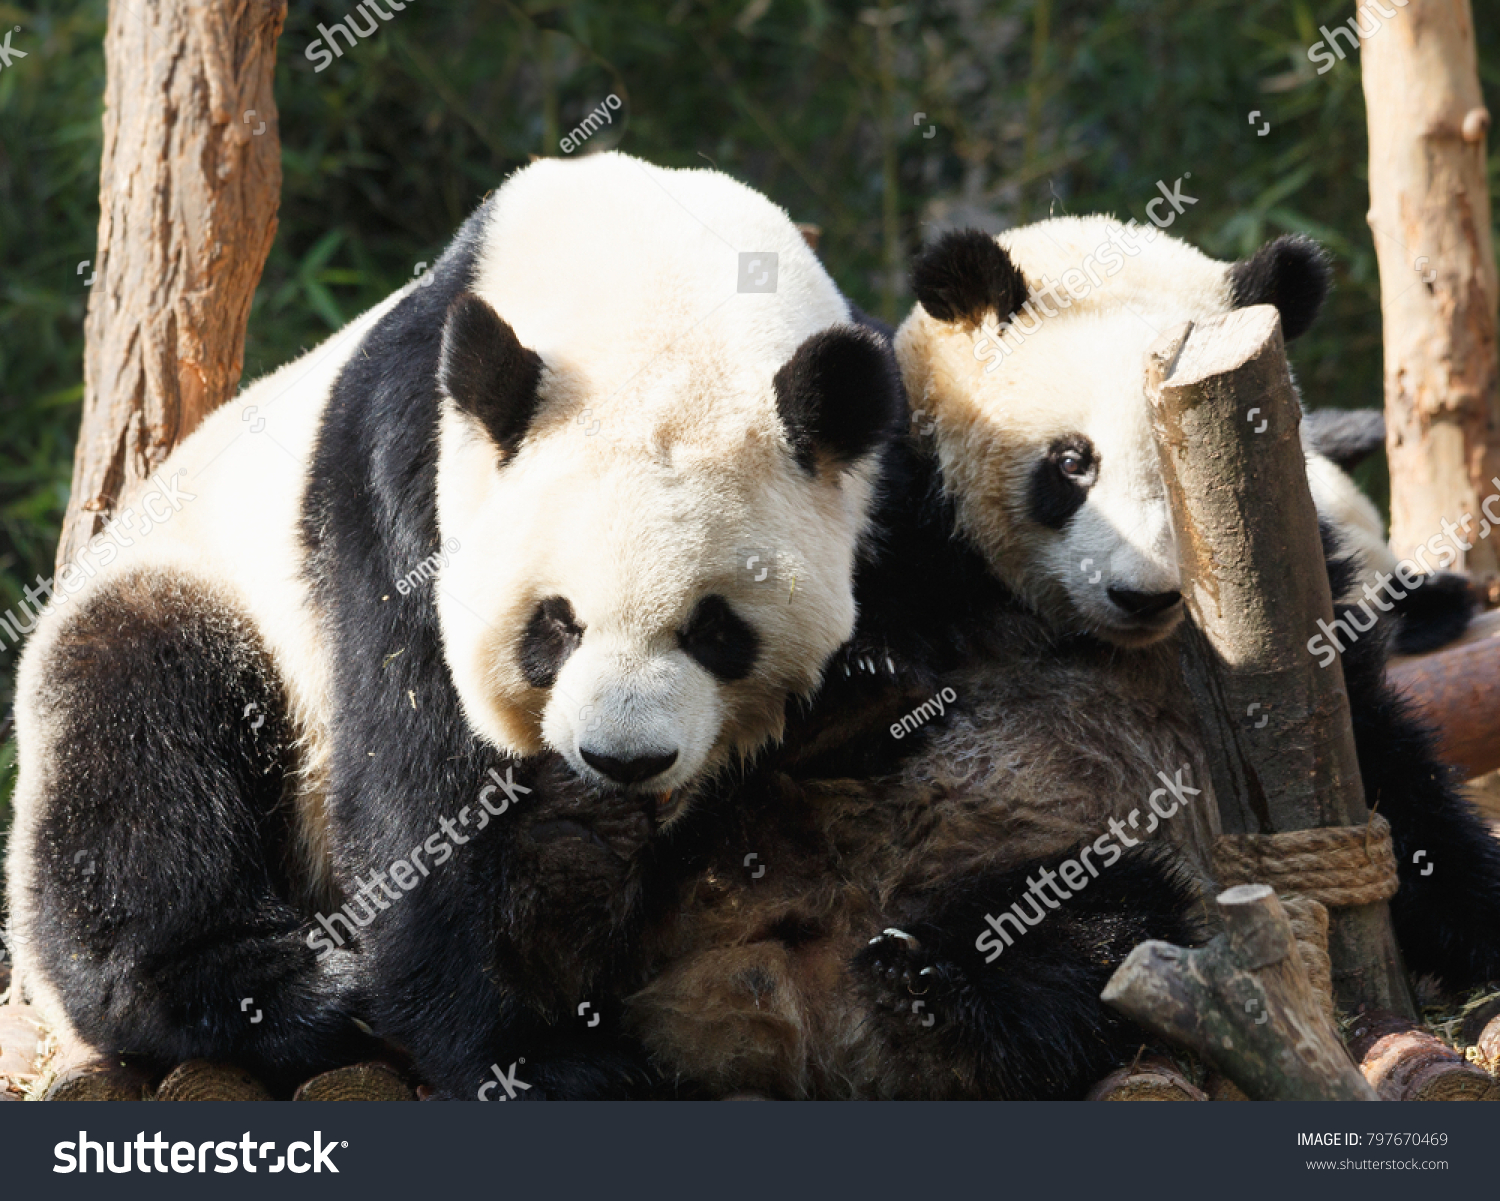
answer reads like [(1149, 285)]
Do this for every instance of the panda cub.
[(907, 934), (453, 624)]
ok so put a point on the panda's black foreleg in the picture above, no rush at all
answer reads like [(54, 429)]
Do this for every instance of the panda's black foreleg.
[(1446, 913), (1029, 1024), (159, 907), (500, 969)]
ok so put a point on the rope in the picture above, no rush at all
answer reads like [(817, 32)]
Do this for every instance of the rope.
[(1340, 866), (1312, 870), (1309, 920)]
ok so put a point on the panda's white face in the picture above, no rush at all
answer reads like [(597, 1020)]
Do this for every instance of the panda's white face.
[(615, 615), (1050, 456)]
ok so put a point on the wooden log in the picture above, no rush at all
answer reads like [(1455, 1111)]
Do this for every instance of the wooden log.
[(358, 1082), (189, 185), (1221, 1088), (1150, 1078), (1226, 416), (200, 1080), (1243, 1003), (113, 1079), (1481, 1029), (1403, 1062), (21, 1037), (1458, 689), (1430, 218)]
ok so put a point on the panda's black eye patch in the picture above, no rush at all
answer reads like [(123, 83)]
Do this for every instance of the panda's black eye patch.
[(552, 634), (1061, 480), (720, 639)]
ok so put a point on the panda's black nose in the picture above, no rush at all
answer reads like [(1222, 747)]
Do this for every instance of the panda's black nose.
[(628, 771), (1144, 604)]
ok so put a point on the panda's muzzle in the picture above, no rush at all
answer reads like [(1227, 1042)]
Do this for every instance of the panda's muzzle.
[(628, 771)]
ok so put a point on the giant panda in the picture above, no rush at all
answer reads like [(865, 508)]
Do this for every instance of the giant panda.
[(1026, 587), (452, 623)]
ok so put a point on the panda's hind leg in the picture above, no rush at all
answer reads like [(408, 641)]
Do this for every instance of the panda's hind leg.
[(154, 899)]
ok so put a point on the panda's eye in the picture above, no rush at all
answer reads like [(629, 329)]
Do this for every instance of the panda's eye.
[(720, 639), (552, 634), (1075, 460)]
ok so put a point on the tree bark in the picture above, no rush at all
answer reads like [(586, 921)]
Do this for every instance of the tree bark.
[(188, 190), (1430, 217), (1226, 417), (1243, 1003)]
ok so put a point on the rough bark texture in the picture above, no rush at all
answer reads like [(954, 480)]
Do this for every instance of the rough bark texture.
[(1430, 217), (188, 190), (1243, 1003), (1226, 417)]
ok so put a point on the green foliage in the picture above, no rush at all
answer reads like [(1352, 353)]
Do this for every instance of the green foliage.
[(1035, 106)]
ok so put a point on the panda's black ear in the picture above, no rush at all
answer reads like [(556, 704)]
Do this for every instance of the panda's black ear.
[(487, 371), (965, 275), (839, 396), (1292, 273)]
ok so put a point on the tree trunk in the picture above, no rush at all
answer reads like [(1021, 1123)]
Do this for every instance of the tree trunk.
[(1430, 217), (1226, 418), (188, 190)]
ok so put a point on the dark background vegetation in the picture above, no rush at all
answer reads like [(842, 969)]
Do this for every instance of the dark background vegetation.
[(1037, 107)]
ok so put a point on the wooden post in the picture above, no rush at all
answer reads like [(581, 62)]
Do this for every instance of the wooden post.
[(1243, 1003), (188, 191), (1226, 418), (1430, 217)]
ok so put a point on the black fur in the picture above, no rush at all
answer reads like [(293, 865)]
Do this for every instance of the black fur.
[(965, 275), (488, 373), (173, 927), (720, 639), (1434, 613), (1346, 436), (839, 396), (552, 634), (486, 964), (1291, 273), (1447, 920), (1030, 1025)]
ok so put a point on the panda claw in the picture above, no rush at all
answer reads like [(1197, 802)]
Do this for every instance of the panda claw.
[(892, 932)]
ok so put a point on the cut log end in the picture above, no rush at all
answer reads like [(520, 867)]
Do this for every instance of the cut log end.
[(199, 1080), (358, 1082), (1404, 1063)]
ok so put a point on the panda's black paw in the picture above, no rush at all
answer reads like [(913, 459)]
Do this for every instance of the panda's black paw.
[(904, 982)]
